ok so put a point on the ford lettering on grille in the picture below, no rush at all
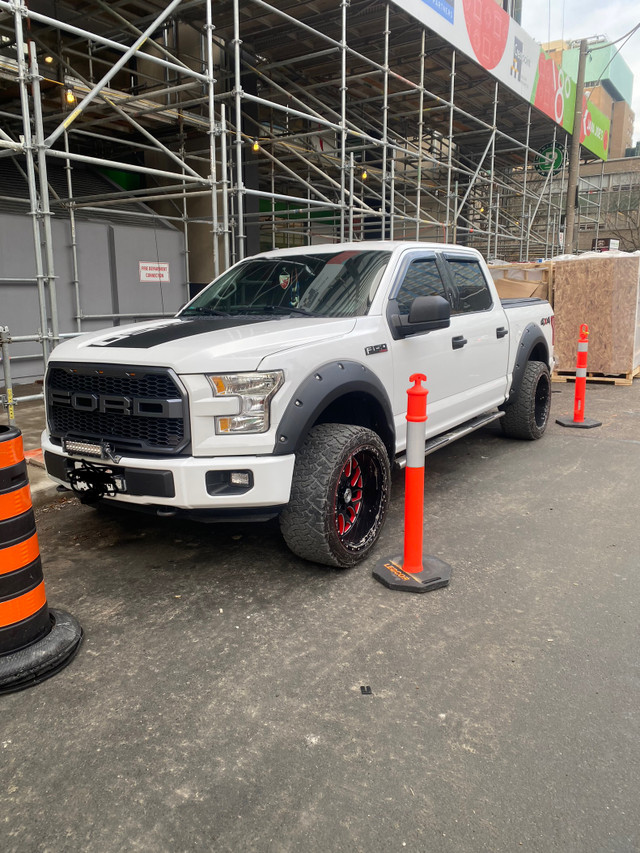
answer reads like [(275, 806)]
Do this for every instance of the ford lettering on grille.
[(116, 404)]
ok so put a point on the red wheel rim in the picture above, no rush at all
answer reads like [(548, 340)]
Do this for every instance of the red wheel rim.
[(349, 496)]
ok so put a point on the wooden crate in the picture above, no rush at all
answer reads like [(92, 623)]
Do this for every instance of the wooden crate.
[(522, 280), (603, 291)]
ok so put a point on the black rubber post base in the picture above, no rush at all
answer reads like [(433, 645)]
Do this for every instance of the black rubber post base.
[(587, 423), (43, 658), (434, 575)]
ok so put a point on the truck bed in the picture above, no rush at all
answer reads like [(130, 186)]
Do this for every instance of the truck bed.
[(515, 301)]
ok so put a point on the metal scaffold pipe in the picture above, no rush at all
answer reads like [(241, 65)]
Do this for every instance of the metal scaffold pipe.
[(385, 122), (31, 181), (238, 93), (93, 37), (574, 153), (343, 114), (129, 53), (74, 239)]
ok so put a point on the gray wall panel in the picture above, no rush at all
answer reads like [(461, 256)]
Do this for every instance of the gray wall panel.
[(146, 244), (19, 302), (132, 243), (93, 271)]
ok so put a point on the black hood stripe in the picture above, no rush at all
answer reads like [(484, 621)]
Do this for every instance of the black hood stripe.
[(185, 328)]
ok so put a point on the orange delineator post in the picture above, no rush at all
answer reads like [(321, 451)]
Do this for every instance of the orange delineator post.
[(413, 572), (581, 374), (579, 421), (414, 475)]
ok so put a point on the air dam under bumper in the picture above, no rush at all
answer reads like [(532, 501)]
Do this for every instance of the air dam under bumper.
[(271, 477)]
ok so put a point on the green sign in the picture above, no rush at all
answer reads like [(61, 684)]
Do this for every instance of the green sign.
[(550, 159), (594, 133)]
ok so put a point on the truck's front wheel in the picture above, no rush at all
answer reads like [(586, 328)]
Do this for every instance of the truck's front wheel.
[(339, 495), (527, 417)]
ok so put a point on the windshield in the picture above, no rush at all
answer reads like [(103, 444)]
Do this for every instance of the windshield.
[(340, 284)]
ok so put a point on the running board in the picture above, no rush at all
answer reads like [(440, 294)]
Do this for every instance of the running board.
[(453, 435)]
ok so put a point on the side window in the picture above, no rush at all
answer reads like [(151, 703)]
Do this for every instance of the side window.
[(421, 279), (473, 290)]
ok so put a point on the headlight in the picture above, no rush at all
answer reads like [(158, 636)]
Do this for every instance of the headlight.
[(254, 391)]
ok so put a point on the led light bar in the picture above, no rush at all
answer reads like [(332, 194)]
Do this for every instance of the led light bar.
[(83, 448)]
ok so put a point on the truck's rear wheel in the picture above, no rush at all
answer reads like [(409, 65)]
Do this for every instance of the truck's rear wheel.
[(339, 495), (527, 417)]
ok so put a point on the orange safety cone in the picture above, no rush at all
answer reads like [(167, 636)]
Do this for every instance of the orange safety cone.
[(579, 421), (35, 642), (412, 572)]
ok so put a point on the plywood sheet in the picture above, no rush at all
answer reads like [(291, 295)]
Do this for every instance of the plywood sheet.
[(509, 289), (602, 292)]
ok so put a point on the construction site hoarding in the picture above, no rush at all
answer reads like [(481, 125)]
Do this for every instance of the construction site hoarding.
[(483, 31)]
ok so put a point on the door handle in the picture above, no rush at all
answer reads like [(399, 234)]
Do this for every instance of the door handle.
[(501, 332), (458, 342)]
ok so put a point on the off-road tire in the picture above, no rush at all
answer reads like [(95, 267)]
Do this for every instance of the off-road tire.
[(339, 495), (528, 415)]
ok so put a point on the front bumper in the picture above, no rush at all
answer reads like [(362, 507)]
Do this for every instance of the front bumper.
[(186, 483)]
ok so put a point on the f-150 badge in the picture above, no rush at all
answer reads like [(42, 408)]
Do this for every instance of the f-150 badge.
[(374, 350)]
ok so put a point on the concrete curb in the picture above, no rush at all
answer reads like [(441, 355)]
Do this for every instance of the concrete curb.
[(43, 490), (35, 457)]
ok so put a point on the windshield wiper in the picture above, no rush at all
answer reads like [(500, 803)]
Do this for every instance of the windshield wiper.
[(283, 310), (288, 309), (204, 310)]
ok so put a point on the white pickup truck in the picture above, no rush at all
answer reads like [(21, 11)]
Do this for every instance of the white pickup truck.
[(280, 389)]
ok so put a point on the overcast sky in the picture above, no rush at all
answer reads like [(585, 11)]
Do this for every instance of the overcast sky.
[(548, 20)]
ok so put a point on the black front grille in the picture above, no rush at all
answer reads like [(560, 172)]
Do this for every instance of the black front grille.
[(133, 409), (158, 385)]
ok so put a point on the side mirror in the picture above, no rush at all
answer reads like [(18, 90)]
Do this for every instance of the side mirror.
[(426, 314)]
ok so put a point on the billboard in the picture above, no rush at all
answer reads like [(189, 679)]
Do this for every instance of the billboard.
[(594, 133), (483, 31)]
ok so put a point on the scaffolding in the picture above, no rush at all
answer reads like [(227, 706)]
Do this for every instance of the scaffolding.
[(259, 125)]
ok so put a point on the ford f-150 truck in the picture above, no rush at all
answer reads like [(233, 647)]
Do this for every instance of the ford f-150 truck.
[(280, 389)]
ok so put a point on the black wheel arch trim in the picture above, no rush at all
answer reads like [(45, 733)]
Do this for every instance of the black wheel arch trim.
[(319, 390), (530, 339)]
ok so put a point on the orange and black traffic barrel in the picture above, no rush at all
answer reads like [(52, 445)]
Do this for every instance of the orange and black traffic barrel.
[(35, 641)]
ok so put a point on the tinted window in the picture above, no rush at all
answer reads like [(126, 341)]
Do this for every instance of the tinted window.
[(422, 279), (473, 290)]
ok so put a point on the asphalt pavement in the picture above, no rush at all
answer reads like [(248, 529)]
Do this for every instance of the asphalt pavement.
[(220, 699)]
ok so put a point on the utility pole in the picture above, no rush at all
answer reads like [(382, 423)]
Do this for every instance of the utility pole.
[(574, 156)]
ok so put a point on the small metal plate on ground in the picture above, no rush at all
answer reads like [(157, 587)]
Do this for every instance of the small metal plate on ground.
[(434, 575)]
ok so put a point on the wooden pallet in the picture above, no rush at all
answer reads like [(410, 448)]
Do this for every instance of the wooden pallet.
[(619, 379)]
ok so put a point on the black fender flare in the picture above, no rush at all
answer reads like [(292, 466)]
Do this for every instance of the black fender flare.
[(333, 380), (531, 338)]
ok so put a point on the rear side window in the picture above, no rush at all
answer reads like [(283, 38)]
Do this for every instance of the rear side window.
[(421, 279), (473, 290)]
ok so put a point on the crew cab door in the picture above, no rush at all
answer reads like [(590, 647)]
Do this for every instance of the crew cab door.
[(465, 364), (479, 336)]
